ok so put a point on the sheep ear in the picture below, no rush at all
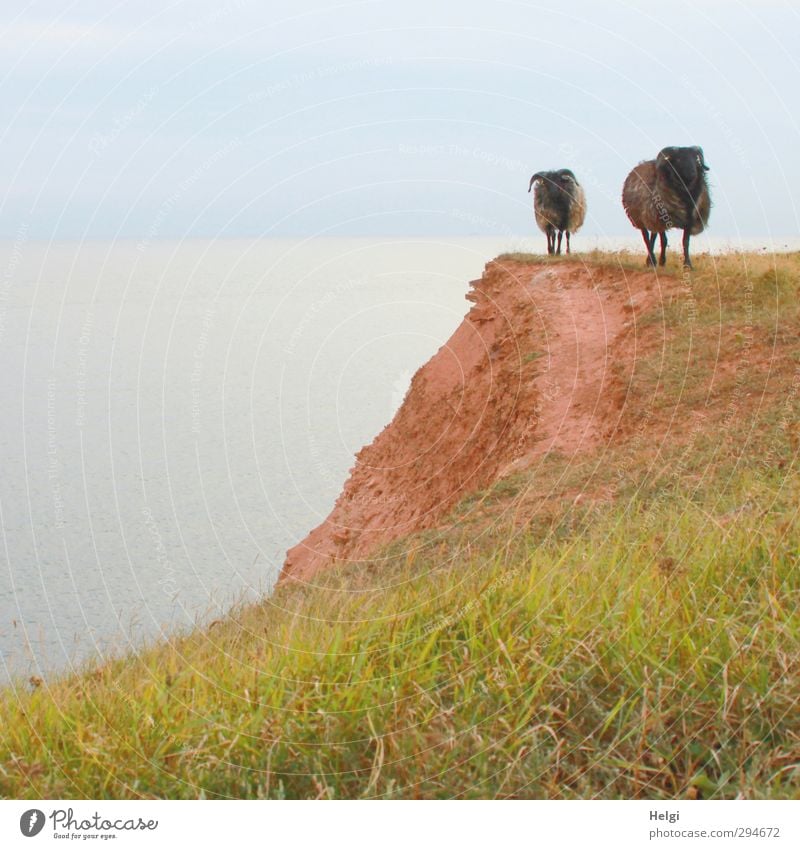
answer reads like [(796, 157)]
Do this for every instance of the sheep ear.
[(536, 176)]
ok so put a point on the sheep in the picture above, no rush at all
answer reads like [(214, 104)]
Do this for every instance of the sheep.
[(665, 192), (559, 204)]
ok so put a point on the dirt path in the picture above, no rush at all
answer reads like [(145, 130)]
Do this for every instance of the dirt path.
[(538, 364)]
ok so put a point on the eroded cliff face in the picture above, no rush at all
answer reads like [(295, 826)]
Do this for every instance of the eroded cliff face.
[(528, 371)]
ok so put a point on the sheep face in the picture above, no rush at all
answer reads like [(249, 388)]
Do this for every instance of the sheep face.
[(684, 166)]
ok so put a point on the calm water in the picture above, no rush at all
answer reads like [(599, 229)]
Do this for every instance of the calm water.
[(175, 416)]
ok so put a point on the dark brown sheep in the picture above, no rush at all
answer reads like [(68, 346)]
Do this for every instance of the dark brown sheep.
[(668, 191), (559, 205)]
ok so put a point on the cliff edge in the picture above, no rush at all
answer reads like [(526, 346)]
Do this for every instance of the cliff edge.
[(537, 365)]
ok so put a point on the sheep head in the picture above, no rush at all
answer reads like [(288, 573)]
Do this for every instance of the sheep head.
[(566, 177), (686, 164), (563, 179)]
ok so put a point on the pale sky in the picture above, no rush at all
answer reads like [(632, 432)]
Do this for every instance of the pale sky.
[(243, 118)]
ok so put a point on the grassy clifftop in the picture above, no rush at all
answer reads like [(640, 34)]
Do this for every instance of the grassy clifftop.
[(621, 622)]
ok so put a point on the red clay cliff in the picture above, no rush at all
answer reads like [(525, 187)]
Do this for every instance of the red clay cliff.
[(528, 371)]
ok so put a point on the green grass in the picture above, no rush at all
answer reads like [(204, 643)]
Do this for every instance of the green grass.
[(622, 624)]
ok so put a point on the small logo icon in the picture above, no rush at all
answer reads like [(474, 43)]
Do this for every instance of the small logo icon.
[(31, 822)]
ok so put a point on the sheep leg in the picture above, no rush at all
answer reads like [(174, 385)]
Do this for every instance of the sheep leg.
[(687, 263), (568, 241), (560, 234), (662, 260), (648, 243), (551, 240), (651, 260)]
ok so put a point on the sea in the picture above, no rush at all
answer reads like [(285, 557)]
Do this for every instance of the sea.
[(175, 415)]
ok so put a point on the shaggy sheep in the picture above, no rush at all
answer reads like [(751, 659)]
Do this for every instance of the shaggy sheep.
[(665, 192), (559, 205)]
